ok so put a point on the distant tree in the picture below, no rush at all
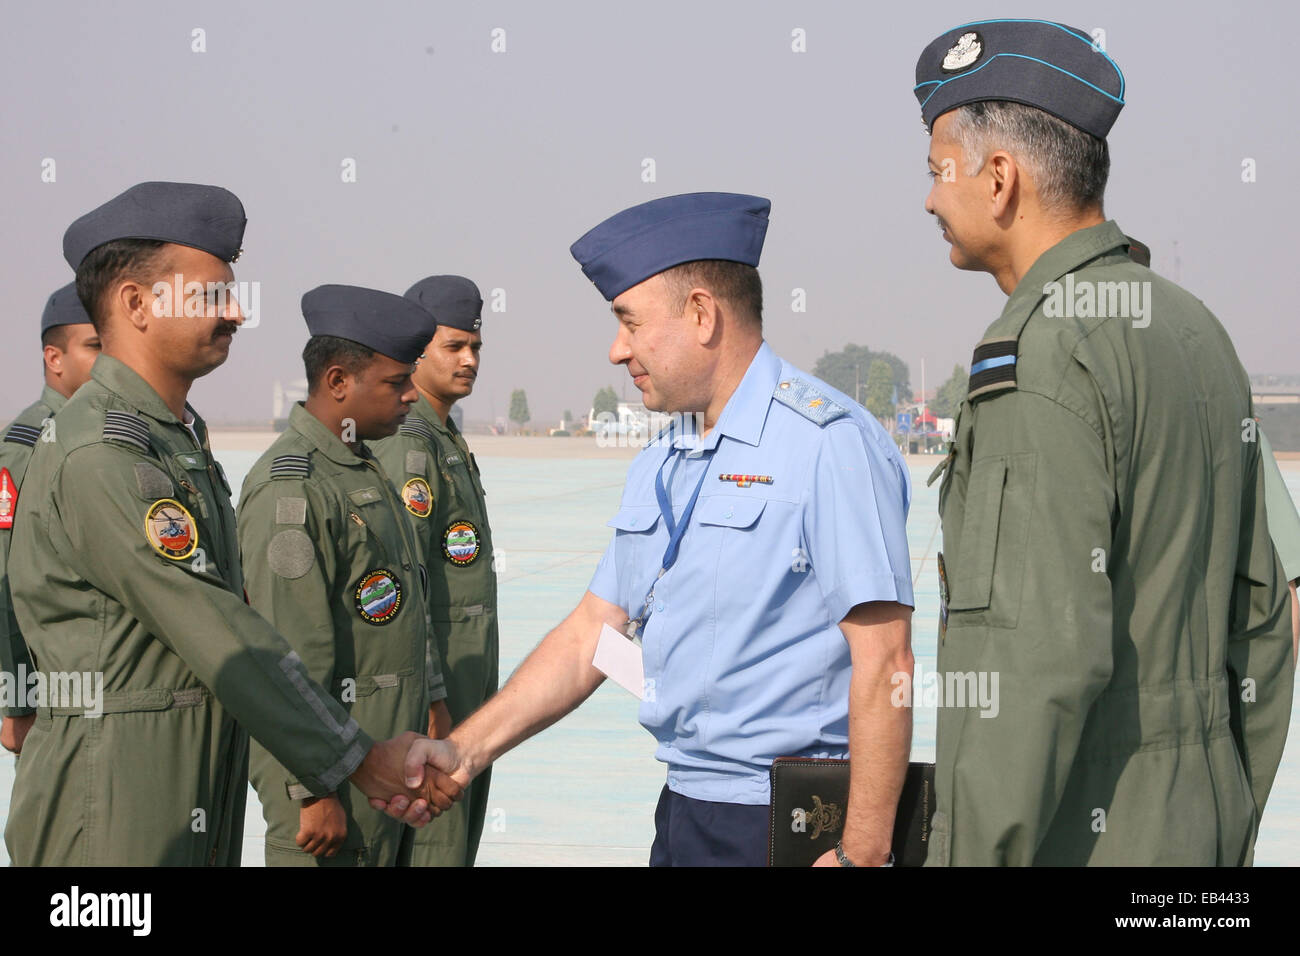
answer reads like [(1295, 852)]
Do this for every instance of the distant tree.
[(880, 390), (606, 400), (851, 365), (519, 407), (950, 394), (568, 416)]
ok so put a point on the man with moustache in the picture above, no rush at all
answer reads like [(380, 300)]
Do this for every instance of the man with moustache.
[(125, 571), (765, 469), (1106, 550), (69, 344), (331, 561), (430, 462)]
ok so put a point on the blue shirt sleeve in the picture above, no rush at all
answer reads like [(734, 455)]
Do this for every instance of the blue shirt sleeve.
[(855, 521), (604, 583)]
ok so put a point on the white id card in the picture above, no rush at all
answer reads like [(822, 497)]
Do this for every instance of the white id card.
[(619, 658)]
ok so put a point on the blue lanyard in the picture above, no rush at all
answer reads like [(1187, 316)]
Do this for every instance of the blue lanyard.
[(675, 531)]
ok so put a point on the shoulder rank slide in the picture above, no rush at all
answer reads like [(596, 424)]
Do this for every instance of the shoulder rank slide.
[(23, 434), (993, 366), (808, 401), (291, 466), (416, 427), (128, 429)]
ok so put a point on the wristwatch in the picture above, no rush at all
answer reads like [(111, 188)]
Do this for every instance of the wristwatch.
[(845, 861)]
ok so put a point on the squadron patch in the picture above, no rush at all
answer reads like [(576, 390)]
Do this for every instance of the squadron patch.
[(379, 596), (418, 497), (8, 500), (170, 529), (963, 53), (460, 544)]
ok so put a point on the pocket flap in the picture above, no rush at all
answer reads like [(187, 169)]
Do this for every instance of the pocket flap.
[(635, 518), (972, 586), (730, 511)]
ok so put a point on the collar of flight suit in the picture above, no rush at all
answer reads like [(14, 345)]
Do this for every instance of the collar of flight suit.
[(993, 362), (125, 382), (53, 400), (423, 408), (745, 413), (322, 439)]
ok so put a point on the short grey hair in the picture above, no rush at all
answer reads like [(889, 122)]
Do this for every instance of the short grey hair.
[(1068, 166)]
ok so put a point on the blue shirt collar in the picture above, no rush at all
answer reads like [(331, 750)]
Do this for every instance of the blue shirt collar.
[(745, 413)]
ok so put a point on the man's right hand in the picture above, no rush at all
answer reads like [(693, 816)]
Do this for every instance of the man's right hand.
[(438, 767), (14, 730), (382, 778)]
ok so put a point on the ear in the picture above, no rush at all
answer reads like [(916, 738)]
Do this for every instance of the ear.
[(54, 359), (136, 302), (1004, 183), (703, 313), (338, 382)]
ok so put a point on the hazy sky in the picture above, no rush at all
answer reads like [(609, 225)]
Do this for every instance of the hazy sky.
[(490, 164)]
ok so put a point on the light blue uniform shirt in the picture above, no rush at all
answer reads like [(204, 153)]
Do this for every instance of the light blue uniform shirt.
[(744, 659)]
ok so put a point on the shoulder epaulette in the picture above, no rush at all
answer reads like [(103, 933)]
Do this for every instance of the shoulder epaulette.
[(808, 401), (128, 429), (291, 466), (418, 428), (993, 366), (23, 434)]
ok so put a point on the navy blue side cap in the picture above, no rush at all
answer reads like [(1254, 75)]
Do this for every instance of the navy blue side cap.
[(454, 301), (1051, 66), (63, 308), (204, 217), (635, 244), (389, 324)]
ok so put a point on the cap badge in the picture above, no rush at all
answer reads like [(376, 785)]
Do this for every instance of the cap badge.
[(964, 52)]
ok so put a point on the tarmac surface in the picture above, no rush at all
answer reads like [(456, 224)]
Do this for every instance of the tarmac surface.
[(583, 791)]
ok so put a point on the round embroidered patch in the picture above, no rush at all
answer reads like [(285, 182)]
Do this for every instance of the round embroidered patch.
[(379, 596), (460, 543), (170, 529), (418, 497)]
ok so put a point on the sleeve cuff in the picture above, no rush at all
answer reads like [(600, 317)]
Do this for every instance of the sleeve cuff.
[(865, 587)]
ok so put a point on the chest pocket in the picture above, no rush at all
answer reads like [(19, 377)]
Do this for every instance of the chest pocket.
[(729, 511), (635, 519), (987, 574)]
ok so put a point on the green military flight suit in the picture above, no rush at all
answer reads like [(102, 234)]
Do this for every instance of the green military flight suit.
[(428, 459), (1283, 520), (1107, 556), (125, 564), (16, 448), (332, 563)]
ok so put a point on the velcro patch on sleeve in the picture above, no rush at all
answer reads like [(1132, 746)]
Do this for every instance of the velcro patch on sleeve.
[(417, 463), (290, 510), (152, 482), (291, 553)]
